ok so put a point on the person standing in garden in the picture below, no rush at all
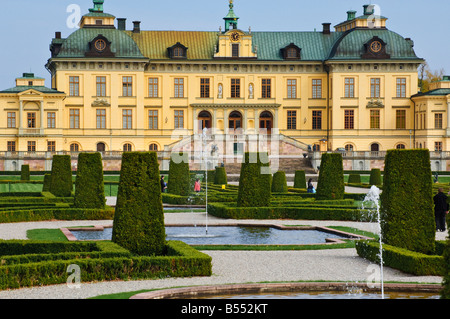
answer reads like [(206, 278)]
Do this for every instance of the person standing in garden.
[(163, 184), (310, 186), (197, 186), (441, 208)]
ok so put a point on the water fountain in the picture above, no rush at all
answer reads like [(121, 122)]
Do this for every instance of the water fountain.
[(372, 204)]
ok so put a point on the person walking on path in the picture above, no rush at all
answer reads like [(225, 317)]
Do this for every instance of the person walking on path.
[(310, 186), (441, 208), (163, 184), (197, 186)]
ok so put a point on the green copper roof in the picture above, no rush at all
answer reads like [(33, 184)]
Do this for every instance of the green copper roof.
[(99, 15), (77, 44), (351, 45), (22, 88), (436, 92)]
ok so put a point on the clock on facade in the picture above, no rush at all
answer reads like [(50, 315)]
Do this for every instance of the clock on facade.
[(100, 45), (376, 46), (235, 36)]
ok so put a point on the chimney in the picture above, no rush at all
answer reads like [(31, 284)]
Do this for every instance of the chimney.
[(326, 28), (57, 35), (351, 15), (368, 9), (137, 27), (121, 24)]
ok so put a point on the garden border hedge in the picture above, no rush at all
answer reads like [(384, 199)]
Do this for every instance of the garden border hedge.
[(402, 259)]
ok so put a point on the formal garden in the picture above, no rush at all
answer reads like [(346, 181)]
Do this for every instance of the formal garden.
[(139, 249)]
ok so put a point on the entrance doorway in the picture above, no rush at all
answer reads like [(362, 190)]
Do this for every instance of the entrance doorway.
[(266, 121), (235, 120), (205, 120), (101, 147)]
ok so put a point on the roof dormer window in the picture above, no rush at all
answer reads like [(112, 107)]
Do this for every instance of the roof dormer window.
[(178, 51), (291, 52)]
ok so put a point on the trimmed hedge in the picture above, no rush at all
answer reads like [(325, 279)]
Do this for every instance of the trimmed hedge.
[(47, 183), (231, 211), (61, 184), (300, 179), (402, 259), (54, 213), (254, 181), (331, 177), (375, 177), (220, 176), (25, 173), (139, 217), (407, 208), (99, 261), (179, 175), (354, 179), (89, 185), (279, 183), (445, 293)]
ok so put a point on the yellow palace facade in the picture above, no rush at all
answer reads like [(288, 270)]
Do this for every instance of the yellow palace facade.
[(115, 89)]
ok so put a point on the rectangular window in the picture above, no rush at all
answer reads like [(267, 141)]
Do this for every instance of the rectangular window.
[(292, 89), (127, 119), (438, 146), (74, 118), (179, 88), (235, 88), (51, 120), (101, 119), (179, 119), (374, 119), (127, 85), (11, 119), (152, 119), (51, 146), (349, 119), (101, 85), (31, 120), (317, 89), (438, 120), (31, 146), (349, 88), (153, 87), (266, 88), (316, 120), (11, 146), (401, 119), (204, 87), (401, 88), (291, 120), (375, 88), (235, 50), (74, 86)]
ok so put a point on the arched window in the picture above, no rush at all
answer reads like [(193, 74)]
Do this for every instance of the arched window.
[(375, 147), (235, 120), (153, 147), (266, 121), (401, 146), (349, 147), (127, 147), (101, 147), (205, 118), (74, 147)]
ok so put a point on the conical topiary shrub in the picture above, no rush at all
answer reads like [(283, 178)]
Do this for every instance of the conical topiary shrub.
[(279, 183), (331, 177), (445, 292), (179, 178), (220, 177), (375, 177), (25, 173), (407, 207), (89, 185), (139, 218), (300, 179), (254, 181), (47, 182), (61, 184)]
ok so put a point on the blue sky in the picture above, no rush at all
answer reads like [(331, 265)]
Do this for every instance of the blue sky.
[(27, 26)]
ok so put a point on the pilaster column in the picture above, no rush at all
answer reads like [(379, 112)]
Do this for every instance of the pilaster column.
[(20, 114), (448, 119), (42, 115)]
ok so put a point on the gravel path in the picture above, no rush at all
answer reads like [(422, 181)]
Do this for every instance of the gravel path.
[(229, 267)]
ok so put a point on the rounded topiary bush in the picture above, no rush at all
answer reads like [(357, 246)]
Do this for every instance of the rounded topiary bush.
[(139, 218), (407, 207), (279, 183), (25, 173), (375, 177), (179, 176), (331, 177), (220, 176), (89, 185), (300, 179), (47, 182), (254, 181), (354, 179), (61, 184)]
